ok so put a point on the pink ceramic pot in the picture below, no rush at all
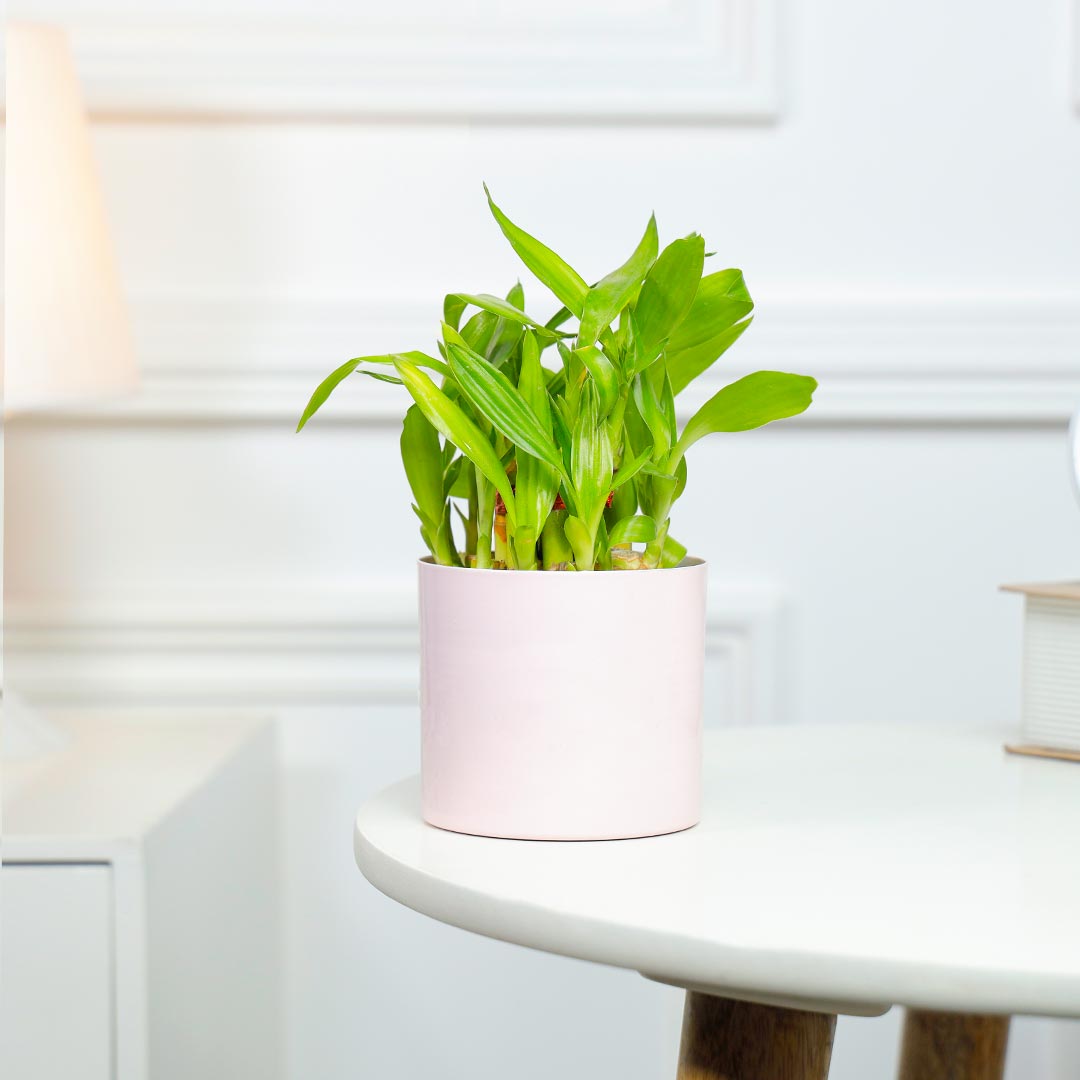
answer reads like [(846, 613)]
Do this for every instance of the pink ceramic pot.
[(561, 706)]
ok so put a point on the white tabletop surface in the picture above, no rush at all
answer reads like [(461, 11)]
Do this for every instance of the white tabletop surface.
[(837, 868)]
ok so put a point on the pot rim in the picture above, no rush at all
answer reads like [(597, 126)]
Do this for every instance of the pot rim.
[(690, 562)]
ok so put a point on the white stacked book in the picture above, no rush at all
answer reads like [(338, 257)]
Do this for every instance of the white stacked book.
[(1051, 672)]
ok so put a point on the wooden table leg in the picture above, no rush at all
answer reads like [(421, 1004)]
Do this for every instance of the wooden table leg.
[(736, 1040), (953, 1046)]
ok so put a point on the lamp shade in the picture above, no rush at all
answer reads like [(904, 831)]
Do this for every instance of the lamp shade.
[(66, 331)]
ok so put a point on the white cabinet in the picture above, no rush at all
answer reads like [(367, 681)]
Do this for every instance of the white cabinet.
[(139, 936), (57, 964)]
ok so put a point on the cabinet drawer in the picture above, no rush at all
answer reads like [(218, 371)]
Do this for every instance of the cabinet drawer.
[(56, 972)]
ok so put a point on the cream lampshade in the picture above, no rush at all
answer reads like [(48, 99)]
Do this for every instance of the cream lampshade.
[(66, 332)]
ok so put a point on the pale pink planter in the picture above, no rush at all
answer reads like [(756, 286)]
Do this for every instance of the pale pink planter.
[(561, 706)]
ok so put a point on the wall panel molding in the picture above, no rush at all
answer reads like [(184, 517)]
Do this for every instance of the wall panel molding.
[(972, 361), (357, 645), (639, 60)]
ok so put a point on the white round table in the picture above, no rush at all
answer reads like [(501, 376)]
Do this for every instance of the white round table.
[(834, 870)]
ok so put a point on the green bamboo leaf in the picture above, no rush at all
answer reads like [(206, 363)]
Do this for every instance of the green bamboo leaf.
[(639, 529), (504, 343), (556, 381), (750, 402), (425, 522), (636, 435), (563, 432), (451, 421), (666, 295), (445, 551), (673, 553), (720, 302), (330, 383), (560, 316), (604, 375), (623, 501), (452, 337), (591, 460), (633, 359), (537, 481), (428, 529), (326, 388), (485, 518), (561, 278), (601, 548), (653, 470), (556, 548), (453, 308), (479, 332), (650, 410), (420, 359), (455, 477), (532, 381), (489, 334), (680, 478), (629, 469), (465, 523), (685, 365), (571, 368), (423, 459), (581, 541), (666, 395), (495, 349), (611, 294), (456, 303), (495, 397), (378, 376)]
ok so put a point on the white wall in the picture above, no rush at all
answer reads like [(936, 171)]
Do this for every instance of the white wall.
[(899, 184)]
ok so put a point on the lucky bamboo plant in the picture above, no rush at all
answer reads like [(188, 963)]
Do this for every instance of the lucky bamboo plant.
[(568, 465)]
